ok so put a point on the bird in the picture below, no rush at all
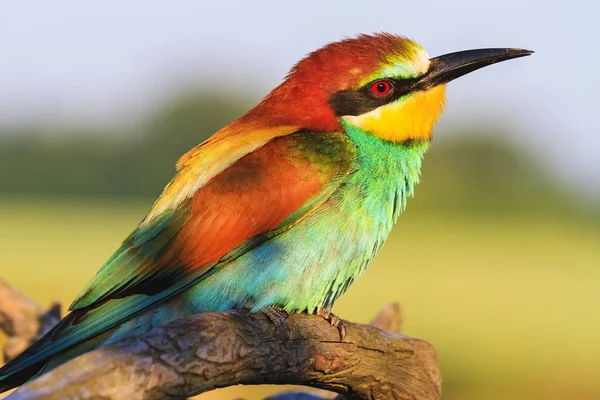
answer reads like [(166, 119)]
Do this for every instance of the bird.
[(281, 210)]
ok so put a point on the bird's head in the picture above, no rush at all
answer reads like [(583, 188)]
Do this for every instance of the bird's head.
[(384, 84)]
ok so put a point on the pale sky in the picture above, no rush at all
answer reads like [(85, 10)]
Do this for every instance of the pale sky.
[(106, 62)]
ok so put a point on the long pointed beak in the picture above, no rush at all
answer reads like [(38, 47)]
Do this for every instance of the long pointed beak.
[(448, 67)]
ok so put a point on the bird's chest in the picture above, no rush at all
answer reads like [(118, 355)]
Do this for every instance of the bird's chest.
[(354, 223), (375, 192)]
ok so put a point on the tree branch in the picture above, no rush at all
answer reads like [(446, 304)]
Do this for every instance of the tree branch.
[(23, 320), (212, 350)]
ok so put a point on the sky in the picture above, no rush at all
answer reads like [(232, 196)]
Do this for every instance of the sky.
[(108, 62)]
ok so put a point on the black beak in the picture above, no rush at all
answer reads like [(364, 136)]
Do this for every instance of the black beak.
[(445, 68)]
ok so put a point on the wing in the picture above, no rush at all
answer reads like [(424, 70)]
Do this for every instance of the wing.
[(190, 234), (262, 193)]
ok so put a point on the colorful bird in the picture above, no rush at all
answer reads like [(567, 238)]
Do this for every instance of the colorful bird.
[(282, 209)]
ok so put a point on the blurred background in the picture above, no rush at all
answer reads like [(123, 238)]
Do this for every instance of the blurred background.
[(497, 259)]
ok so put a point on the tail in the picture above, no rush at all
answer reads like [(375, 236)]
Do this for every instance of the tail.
[(78, 332), (13, 379), (21, 368), (43, 356)]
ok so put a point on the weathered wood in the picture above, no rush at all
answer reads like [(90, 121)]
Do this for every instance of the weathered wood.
[(22, 320), (212, 350)]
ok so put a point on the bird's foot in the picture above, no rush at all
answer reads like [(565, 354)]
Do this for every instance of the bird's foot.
[(277, 316), (334, 320)]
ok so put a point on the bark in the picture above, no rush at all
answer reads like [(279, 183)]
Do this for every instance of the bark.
[(212, 350), (22, 320)]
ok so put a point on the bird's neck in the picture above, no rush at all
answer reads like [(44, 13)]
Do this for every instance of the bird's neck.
[(373, 196), (389, 171)]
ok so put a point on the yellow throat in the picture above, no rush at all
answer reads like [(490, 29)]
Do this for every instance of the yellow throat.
[(411, 117)]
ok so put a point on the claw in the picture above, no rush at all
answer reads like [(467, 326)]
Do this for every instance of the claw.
[(334, 320), (277, 316)]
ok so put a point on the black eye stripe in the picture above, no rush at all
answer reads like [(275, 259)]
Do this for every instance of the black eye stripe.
[(363, 100)]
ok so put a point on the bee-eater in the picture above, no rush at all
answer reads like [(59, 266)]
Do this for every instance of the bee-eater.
[(280, 210)]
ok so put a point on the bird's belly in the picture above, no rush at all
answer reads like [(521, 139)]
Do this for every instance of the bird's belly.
[(306, 267)]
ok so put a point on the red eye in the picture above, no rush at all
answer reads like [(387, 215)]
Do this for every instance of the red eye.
[(381, 88)]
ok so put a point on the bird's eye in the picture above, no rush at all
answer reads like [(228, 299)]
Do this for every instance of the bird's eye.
[(381, 88)]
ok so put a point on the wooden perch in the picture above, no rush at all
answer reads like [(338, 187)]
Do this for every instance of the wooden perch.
[(212, 350), (22, 320)]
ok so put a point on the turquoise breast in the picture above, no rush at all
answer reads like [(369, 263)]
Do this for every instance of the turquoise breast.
[(306, 268)]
